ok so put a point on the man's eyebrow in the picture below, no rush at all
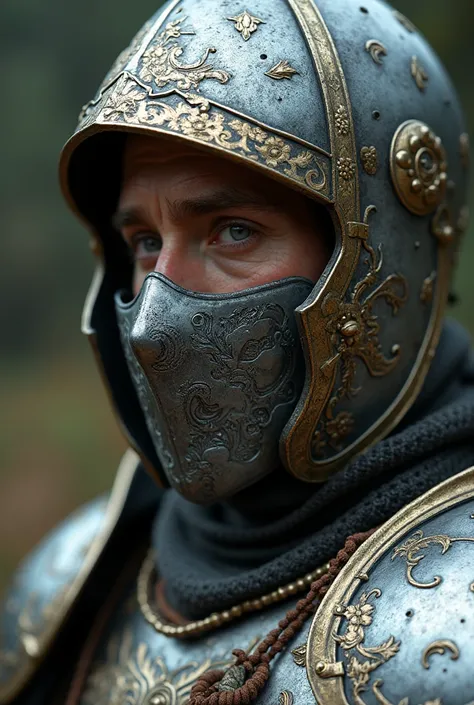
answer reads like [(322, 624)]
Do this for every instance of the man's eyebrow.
[(219, 200), (127, 216), (199, 205)]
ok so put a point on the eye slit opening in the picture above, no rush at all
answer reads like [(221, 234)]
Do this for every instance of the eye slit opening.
[(263, 56), (376, 115), (364, 10)]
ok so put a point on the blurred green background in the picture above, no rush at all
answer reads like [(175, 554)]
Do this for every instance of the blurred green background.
[(58, 441)]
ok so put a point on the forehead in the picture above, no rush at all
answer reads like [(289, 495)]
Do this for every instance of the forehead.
[(163, 161)]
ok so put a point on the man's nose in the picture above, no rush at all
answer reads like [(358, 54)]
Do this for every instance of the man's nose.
[(181, 266)]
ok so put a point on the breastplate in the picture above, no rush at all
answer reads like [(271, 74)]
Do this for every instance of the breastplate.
[(134, 665), (395, 628)]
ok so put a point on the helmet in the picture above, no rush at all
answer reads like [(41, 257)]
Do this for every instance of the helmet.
[(349, 106)]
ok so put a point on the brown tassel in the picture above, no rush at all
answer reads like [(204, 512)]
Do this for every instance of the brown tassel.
[(213, 687)]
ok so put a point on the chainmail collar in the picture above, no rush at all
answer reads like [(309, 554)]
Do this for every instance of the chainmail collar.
[(271, 533)]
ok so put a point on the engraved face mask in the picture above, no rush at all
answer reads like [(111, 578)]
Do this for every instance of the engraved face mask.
[(217, 376)]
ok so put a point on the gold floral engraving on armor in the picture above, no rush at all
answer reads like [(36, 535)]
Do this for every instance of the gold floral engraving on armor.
[(286, 698), (354, 330), (281, 70), (409, 26), (465, 150), (299, 655), (419, 167), (246, 24), (346, 168), (418, 73), (161, 65), (410, 550), (197, 119), (376, 50), (441, 646), (369, 159), (341, 121), (353, 642), (427, 288), (131, 675)]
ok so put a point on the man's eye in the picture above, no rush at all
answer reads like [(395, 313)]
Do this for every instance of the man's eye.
[(235, 233), (146, 245)]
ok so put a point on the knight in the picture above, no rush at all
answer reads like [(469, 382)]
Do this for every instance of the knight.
[(276, 195)]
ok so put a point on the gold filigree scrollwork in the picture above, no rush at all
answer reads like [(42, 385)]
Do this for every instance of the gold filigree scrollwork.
[(418, 73), (426, 294), (353, 642), (369, 159), (286, 698), (299, 655), (281, 70), (441, 646), (246, 24), (131, 675), (410, 550), (376, 50), (161, 65), (356, 618), (130, 102), (346, 168), (354, 331), (419, 167), (341, 121)]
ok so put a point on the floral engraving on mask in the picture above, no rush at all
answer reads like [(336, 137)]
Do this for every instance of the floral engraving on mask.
[(354, 330), (161, 65), (133, 104), (252, 352)]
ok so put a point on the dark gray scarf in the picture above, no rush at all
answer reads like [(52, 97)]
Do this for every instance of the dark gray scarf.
[(280, 529)]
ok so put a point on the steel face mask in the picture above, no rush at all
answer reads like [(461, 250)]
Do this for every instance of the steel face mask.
[(217, 376)]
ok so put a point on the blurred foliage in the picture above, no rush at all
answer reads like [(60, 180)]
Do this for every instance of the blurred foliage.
[(58, 442)]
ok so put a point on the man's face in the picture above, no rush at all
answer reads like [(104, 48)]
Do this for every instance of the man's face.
[(210, 225)]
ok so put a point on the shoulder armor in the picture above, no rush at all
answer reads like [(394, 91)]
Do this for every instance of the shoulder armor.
[(49, 581), (397, 625)]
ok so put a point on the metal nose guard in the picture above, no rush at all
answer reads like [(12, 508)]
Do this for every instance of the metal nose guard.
[(217, 376)]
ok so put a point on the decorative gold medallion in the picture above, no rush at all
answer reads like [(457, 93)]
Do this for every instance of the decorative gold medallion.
[(368, 157), (419, 168), (246, 24), (419, 73), (281, 70), (376, 50)]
